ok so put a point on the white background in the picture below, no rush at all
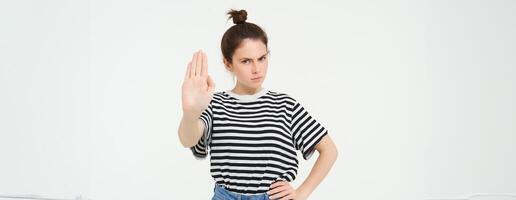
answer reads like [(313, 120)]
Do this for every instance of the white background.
[(418, 95)]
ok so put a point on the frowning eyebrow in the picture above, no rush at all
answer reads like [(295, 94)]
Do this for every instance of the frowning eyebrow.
[(251, 58)]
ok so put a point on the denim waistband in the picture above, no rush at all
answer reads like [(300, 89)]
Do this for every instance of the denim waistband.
[(222, 193)]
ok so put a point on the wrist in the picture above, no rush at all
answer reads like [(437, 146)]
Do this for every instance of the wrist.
[(303, 192)]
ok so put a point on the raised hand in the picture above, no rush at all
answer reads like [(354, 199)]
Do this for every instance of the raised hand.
[(198, 87)]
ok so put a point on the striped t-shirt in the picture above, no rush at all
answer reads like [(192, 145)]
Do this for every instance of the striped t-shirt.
[(252, 139)]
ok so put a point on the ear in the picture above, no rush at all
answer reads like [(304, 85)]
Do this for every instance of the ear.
[(228, 65)]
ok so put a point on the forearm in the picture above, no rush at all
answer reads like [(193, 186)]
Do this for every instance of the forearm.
[(189, 130), (322, 166)]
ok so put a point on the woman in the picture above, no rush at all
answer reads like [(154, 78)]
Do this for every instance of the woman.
[(251, 133)]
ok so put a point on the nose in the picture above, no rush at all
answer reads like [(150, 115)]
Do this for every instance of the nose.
[(255, 68)]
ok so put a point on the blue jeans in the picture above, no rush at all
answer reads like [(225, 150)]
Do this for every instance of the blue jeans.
[(221, 193)]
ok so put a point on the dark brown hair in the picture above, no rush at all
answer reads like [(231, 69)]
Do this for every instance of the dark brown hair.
[(238, 32)]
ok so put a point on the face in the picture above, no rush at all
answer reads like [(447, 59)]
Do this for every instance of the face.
[(249, 64)]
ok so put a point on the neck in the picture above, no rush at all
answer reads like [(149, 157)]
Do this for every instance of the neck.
[(244, 90)]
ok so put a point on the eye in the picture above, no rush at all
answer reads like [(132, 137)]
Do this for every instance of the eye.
[(245, 61), (263, 58)]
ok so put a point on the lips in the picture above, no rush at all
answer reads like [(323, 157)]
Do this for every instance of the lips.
[(256, 78)]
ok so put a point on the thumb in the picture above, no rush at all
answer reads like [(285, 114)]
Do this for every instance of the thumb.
[(211, 85)]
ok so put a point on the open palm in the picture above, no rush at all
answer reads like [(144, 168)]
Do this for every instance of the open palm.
[(198, 87)]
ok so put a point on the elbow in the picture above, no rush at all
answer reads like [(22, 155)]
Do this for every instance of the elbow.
[(187, 145), (183, 141), (328, 149), (332, 153)]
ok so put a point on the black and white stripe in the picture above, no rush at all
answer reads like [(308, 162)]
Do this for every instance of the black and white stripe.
[(254, 143)]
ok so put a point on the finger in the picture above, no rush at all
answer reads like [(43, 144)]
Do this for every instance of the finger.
[(275, 184), (204, 68), (194, 64), (281, 194), (288, 197), (199, 64), (187, 74), (211, 85), (278, 183), (277, 190)]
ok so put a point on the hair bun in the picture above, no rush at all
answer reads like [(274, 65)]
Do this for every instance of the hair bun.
[(239, 16)]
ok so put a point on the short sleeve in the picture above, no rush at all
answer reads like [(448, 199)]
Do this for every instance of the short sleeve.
[(306, 131), (201, 149)]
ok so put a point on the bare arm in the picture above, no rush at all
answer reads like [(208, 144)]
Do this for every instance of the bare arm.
[(190, 131), (327, 156), (197, 91)]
